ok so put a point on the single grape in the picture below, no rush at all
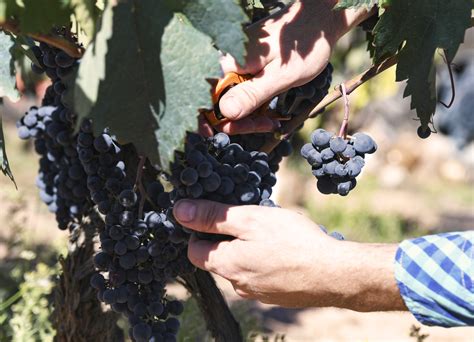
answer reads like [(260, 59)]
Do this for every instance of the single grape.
[(204, 169), (128, 198), (141, 332), (103, 143), (344, 188), (315, 158), (337, 144), (423, 132), (211, 183), (363, 143), (195, 191), (327, 154), (320, 138), (155, 308), (353, 168), (221, 140), (189, 176), (326, 185), (97, 281), (63, 60), (349, 152), (306, 149)]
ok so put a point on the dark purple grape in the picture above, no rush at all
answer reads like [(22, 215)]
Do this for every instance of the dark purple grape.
[(128, 198), (141, 332), (337, 144), (423, 132), (63, 60), (189, 176), (320, 138), (363, 143)]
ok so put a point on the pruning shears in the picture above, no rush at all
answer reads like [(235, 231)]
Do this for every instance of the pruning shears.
[(230, 80)]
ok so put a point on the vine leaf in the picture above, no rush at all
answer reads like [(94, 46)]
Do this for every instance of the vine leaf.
[(7, 68), (86, 14), (419, 28), (37, 16), (416, 29), (222, 20), (3, 156), (144, 77)]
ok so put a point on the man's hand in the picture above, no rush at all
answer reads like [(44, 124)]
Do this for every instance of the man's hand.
[(286, 50), (281, 257)]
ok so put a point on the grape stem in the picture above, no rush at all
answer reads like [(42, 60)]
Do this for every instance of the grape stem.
[(345, 122), (451, 78), (139, 185), (289, 127), (61, 43)]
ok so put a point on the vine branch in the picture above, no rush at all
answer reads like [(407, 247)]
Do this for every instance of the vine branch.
[(290, 126), (345, 121), (67, 46)]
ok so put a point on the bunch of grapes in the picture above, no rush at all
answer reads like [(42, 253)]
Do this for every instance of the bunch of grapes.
[(61, 178), (335, 161), (142, 248), (221, 171)]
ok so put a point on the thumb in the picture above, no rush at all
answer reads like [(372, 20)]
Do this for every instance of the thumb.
[(246, 97), (211, 217)]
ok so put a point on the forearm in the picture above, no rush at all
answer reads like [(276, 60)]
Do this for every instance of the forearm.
[(362, 277)]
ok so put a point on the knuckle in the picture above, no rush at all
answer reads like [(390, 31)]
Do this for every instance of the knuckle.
[(210, 215), (250, 94)]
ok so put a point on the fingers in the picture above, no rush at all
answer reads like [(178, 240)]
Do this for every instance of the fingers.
[(205, 128), (215, 218), (210, 256), (257, 124), (247, 96)]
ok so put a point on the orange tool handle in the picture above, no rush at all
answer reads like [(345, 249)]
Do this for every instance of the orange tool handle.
[(230, 80)]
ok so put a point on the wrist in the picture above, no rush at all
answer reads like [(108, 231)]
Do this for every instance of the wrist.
[(345, 20), (370, 283), (358, 276), (334, 23)]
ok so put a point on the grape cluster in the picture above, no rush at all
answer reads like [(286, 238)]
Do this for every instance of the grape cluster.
[(61, 178), (139, 253), (221, 171), (335, 161)]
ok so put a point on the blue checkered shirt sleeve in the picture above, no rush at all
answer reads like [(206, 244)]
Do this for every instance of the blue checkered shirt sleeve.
[(435, 275)]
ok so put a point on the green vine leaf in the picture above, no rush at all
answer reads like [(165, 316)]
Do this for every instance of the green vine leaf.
[(37, 16), (417, 29), (222, 20), (86, 14), (7, 68), (4, 166), (144, 77)]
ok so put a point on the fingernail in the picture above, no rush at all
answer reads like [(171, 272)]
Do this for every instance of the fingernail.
[(230, 107), (185, 211)]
